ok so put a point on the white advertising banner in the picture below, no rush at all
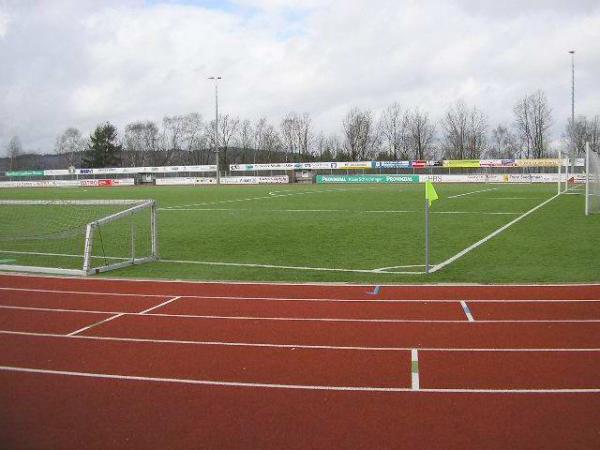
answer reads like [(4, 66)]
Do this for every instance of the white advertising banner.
[(68, 183), (283, 179), (132, 170)]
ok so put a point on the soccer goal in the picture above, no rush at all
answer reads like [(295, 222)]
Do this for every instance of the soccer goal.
[(76, 237), (592, 181)]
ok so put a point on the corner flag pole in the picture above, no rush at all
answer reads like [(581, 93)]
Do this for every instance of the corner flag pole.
[(426, 235), (430, 196)]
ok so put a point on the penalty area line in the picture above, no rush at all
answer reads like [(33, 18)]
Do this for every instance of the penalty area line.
[(272, 266), (490, 236)]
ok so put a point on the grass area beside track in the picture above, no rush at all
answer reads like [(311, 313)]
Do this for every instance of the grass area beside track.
[(342, 233)]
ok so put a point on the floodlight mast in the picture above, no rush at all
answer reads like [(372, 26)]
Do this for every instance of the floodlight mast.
[(216, 79), (573, 152)]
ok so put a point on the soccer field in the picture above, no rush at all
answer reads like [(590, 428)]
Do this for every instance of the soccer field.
[(348, 233)]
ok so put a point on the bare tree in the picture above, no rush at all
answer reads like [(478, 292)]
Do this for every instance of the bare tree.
[(533, 118), (141, 140), (464, 132), (259, 136), (69, 146), (393, 125), (228, 127), (585, 130), (296, 135), (270, 143), (421, 134), (359, 134), (194, 139), (503, 143), (14, 150), (171, 140)]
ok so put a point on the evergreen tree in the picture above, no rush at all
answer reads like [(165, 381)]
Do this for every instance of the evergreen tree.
[(104, 149)]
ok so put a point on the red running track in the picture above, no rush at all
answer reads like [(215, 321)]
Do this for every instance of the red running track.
[(117, 364)]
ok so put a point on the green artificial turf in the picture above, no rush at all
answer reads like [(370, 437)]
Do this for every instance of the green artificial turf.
[(306, 229)]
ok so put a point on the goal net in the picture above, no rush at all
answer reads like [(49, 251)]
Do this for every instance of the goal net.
[(592, 184), (76, 237)]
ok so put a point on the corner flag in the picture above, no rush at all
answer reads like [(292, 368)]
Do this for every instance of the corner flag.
[(430, 193)]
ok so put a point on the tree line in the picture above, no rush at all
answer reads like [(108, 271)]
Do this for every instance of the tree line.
[(397, 133)]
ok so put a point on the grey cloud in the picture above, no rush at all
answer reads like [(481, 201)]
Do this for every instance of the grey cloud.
[(79, 63)]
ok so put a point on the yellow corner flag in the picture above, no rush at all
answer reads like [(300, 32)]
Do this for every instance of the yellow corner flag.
[(430, 193)]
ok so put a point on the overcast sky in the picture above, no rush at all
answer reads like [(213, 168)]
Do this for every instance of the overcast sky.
[(83, 62)]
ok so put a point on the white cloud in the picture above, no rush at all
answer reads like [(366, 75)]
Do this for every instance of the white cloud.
[(79, 63)]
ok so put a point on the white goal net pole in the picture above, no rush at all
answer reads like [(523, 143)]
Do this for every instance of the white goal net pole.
[(587, 178), (559, 168)]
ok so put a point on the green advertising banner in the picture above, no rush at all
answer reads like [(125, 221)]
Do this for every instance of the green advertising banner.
[(348, 179), (25, 173)]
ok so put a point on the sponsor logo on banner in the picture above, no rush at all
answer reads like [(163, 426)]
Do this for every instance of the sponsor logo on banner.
[(391, 164), (25, 173), (419, 164), (365, 179), (555, 162), (462, 163), (68, 183)]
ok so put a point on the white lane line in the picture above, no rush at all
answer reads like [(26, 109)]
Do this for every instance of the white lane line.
[(295, 319), (294, 346), (81, 330), (473, 192), (489, 236), (288, 386), (308, 299), (414, 369), (467, 311), (159, 305)]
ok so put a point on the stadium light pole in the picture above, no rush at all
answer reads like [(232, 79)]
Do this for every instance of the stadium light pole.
[(573, 152), (216, 80)]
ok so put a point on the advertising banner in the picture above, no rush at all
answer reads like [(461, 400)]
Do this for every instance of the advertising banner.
[(25, 173), (131, 170), (555, 162), (462, 163), (282, 179), (391, 164), (68, 183), (363, 179)]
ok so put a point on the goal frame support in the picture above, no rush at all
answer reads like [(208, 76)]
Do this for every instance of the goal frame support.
[(87, 267)]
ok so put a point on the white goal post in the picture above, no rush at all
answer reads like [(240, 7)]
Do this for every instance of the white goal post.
[(76, 237), (592, 181)]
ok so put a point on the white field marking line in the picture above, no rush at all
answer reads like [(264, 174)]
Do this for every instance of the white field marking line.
[(467, 311), (472, 192), (384, 269), (414, 369), (272, 266), (293, 319), (246, 199), (114, 280), (291, 299), (216, 263), (514, 198), (295, 346), (95, 324), (484, 213), (159, 305), (71, 255), (490, 236), (290, 386)]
